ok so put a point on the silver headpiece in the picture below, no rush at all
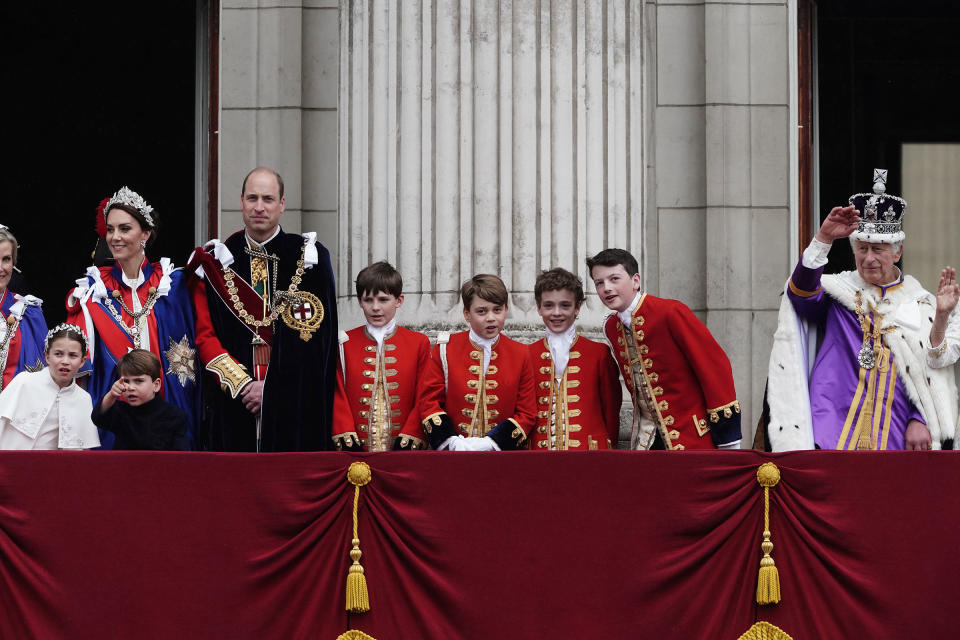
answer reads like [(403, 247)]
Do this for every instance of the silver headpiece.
[(881, 214), (63, 326), (130, 198)]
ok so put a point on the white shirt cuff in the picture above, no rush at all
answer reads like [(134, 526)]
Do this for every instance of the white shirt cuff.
[(815, 256)]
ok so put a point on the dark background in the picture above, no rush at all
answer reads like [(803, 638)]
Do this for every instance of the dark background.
[(889, 73), (97, 95)]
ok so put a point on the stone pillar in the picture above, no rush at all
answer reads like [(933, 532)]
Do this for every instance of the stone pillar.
[(278, 94), (488, 136), (723, 163)]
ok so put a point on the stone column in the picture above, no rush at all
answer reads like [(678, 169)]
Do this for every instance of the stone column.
[(488, 136), (723, 173), (278, 94)]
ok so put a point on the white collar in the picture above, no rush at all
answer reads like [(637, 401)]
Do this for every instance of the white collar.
[(260, 244), (380, 333), (627, 314), (133, 283), (486, 344), (560, 344)]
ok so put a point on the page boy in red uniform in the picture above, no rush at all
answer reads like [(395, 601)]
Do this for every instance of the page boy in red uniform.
[(481, 383), (380, 382), (679, 377), (577, 381)]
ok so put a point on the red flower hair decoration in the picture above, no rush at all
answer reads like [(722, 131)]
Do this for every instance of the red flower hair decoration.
[(101, 220)]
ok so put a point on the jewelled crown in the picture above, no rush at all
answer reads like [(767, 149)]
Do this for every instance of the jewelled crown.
[(130, 198), (72, 328), (881, 214)]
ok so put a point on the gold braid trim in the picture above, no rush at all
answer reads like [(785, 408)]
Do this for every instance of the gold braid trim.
[(346, 440), (518, 435), (431, 421), (411, 442), (727, 410)]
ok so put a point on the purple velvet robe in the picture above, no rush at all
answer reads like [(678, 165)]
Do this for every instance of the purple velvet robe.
[(841, 393)]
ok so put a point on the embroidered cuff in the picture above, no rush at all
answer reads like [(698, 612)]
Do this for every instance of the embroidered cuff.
[(404, 442), (438, 427), (508, 435), (725, 427), (348, 441), (231, 375)]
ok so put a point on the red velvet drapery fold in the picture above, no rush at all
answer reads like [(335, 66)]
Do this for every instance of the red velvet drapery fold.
[(462, 545)]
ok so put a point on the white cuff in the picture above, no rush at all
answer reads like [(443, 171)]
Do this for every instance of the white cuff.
[(730, 445), (815, 256)]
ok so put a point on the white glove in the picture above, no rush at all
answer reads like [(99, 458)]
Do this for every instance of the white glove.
[(453, 443), (478, 444), (729, 445)]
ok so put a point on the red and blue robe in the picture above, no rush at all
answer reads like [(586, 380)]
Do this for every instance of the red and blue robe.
[(25, 348), (170, 324)]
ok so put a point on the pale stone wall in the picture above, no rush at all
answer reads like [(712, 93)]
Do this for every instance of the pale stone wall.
[(488, 136), (510, 137), (723, 164), (278, 95)]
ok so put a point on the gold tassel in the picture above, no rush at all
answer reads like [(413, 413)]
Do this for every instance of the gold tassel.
[(768, 582), (358, 600), (355, 634), (761, 631)]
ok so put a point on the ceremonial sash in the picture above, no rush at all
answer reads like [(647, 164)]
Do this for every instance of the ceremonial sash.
[(246, 295)]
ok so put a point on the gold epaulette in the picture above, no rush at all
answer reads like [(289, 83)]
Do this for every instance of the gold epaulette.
[(727, 410), (231, 375)]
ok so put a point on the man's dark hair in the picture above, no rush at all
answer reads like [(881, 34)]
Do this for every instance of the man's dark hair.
[(140, 362), (558, 279), (380, 276), (243, 187), (612, 258)]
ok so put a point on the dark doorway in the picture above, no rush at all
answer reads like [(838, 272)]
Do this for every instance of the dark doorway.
[(888, 72), (98, 95)]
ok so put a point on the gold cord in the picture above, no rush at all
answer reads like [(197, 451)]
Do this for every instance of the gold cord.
[(358, 599)]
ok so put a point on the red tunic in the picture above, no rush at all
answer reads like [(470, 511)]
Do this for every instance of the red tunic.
[(684, 371), (507, 393), (406, 358), (588, 397)]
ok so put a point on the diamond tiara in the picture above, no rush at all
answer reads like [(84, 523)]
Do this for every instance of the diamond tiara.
[(130, 198), (63, 326)]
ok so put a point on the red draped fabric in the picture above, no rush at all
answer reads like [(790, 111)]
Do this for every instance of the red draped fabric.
[(607, 544)]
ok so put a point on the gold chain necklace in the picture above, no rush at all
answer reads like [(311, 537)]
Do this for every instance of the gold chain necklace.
[(12, 323), (281, 298), (133, 330)]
